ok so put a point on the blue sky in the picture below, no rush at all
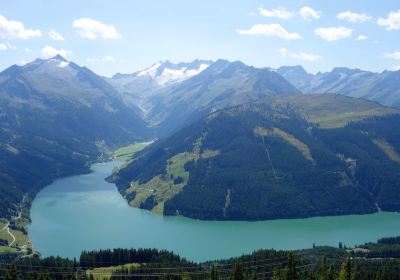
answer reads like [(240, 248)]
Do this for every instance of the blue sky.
[(125, 36)]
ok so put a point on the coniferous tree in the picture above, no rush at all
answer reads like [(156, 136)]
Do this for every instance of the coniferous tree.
[(277, 274), (292, 273), (186, 277), (214, 273), (238, 273), (12, 273), (346, 271)]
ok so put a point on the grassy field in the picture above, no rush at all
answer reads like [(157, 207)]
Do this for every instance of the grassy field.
[(126, 153), (164, 187), (334, 111), (303, 148), (387, 149), (102, 273), (22, 242)]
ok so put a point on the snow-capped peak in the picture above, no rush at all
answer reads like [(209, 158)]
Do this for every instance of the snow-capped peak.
[(63, 64), (167, 73), (151, 71)]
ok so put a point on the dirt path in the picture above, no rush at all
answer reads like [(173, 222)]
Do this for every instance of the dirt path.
[(7, 228)]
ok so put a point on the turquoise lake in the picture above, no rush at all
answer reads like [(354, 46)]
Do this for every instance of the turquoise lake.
[(85, 212)]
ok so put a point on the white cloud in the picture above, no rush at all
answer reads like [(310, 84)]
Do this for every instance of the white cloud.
[(361, 38), (107, 58), (22, 63), (300, 55), (395, 55), (7, 46), (333, 33), (92, 29), (28, 50), (392, 22), (279, 12), (308, 13), (283, 52), (12, 29), (353, 17), (269, 30), (396, 68), (49, 51), (56, 36)]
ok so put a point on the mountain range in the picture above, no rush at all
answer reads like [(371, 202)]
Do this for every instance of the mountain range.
[(57, 117), (380, 87)]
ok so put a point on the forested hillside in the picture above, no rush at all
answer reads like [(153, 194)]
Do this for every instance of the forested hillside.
[(286, 157), (55, 118), (378, 261)]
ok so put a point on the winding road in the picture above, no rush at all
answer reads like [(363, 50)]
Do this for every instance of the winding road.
[(7, 227)]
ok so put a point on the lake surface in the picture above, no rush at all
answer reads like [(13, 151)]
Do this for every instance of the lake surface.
[(85, 212)]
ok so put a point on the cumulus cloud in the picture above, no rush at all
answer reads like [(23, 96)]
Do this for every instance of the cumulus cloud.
[(55, 36), (279, 12), (308, 13), (392, 22), (49, 51), (300, 55), (395, 55), (271, 30), (361, 38), (333, 33), (92, 29), (107, 58), (12, 29), (396, 68), (7, 46), (353, 17)]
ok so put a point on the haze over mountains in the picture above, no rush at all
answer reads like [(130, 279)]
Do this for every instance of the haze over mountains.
[(382, 87), (57, 117)]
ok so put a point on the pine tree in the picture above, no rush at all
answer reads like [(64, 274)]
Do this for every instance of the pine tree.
[(277, 274), (186, 277), (291, 271), (238, 272), (346, 271), (214, 273), (12, 273)]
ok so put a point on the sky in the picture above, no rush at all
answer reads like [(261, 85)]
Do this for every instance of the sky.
[(125, 36)]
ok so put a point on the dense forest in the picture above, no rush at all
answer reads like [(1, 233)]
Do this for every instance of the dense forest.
[(263, 161), (380, 260)]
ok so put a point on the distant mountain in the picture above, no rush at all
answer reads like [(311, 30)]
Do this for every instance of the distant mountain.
[(380, 87), (55, 118), (285, 157), (220, 85), (137, 87)]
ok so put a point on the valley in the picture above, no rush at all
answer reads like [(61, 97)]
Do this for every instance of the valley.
[(219, 141)]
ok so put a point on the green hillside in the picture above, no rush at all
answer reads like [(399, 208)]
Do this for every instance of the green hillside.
[(287, 157)]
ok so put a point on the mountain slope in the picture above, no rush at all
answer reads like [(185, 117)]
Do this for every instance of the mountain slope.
[(263, 160), (380, 87), (55, 118), (221, 85), (137, 87)]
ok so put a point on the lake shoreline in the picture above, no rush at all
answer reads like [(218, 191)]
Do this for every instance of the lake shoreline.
[(107, 221)]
